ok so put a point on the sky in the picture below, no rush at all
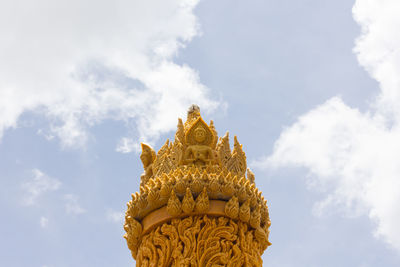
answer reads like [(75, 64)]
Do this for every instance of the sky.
[(310, 87)]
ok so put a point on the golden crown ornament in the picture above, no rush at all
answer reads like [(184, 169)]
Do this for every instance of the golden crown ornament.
[(198, 204)]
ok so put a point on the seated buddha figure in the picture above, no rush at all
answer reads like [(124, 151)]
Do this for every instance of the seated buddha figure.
[(199, 138)]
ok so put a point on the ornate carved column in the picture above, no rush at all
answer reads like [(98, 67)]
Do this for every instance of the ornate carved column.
[(198, 204)]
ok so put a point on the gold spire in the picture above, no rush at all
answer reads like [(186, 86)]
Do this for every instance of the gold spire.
[(197, 184)]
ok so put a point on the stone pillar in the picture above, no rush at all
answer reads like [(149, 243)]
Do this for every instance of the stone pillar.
[(198, 204)]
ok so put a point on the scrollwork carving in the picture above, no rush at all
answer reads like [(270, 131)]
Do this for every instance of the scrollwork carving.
[(201, 241)]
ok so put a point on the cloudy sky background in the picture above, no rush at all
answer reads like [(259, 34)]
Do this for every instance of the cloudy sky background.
[(311, 89)]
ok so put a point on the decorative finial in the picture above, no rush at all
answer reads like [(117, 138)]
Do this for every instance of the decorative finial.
[(193, 114), (194, 108)]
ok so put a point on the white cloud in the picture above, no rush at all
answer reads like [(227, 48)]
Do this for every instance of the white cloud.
[(378, 50), (115, 216), (38, 185), (355, 156), (79, 63), (127, 145), (72, 205), (44, 222)]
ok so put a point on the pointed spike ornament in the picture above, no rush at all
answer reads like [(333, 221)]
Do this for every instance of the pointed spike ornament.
[(232, 208), (196, 186), (180, 174), (253, 200), (165, 190), (180, 132), (142, 203), (205, 177), (215, 139), (196, 174), (209, 169), (255, 217), (242, 194), (214, 187), (158, 183), (188, 178), (242, 180), (180, 187), (165, 178), (134, 210), (262, 237), (244, 211), (250, 176), (202, 202), (153, 197), (188, 202), (264, 215), (228, 189), (174, 206), (224, 150), (235, 180)]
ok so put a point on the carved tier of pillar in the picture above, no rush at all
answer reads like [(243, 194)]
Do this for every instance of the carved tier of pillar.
[(198, 204)]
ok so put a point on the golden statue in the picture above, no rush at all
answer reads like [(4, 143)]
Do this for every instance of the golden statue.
[(198, 204), (199, 139), (147, 157)]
